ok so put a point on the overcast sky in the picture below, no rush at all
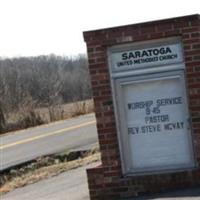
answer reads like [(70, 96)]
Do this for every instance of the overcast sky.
[(36, 27)]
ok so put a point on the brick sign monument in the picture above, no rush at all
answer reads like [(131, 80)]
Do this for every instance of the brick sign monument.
[(146, 87)]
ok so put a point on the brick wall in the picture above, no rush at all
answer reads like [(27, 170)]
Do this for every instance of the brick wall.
[(107, 181)]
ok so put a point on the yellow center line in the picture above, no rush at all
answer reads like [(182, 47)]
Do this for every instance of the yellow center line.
[(46, 135)]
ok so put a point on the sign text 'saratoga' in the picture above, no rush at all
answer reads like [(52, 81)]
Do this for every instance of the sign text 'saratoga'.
[(141, 58)]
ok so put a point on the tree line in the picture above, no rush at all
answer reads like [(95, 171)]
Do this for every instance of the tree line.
[(42, 81)]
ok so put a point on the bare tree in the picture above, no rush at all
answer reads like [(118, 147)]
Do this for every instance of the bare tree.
[(2, 119), (43, 81)]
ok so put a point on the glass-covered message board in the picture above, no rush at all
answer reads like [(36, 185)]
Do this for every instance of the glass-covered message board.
[(152, 115)]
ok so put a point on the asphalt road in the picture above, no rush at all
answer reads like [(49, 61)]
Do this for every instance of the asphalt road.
[(22, 146), (72, 185)]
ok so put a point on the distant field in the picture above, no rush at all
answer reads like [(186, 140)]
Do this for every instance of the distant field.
[(28, 117), (66, 111)]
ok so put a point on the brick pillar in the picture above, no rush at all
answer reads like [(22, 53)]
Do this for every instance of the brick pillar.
[(107, 181)]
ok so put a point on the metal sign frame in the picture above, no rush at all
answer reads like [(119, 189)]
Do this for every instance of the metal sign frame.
[(128, 169), (120, 78)]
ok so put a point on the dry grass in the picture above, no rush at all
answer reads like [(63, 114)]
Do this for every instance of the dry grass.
[(47, 172), (66, 111), (29, 117), (63, 111)]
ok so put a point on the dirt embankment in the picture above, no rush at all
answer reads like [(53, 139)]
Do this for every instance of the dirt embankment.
[(45, 167)]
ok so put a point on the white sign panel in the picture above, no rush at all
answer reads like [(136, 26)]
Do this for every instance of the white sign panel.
[(141, 58), (151, 106), (157, 123)]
